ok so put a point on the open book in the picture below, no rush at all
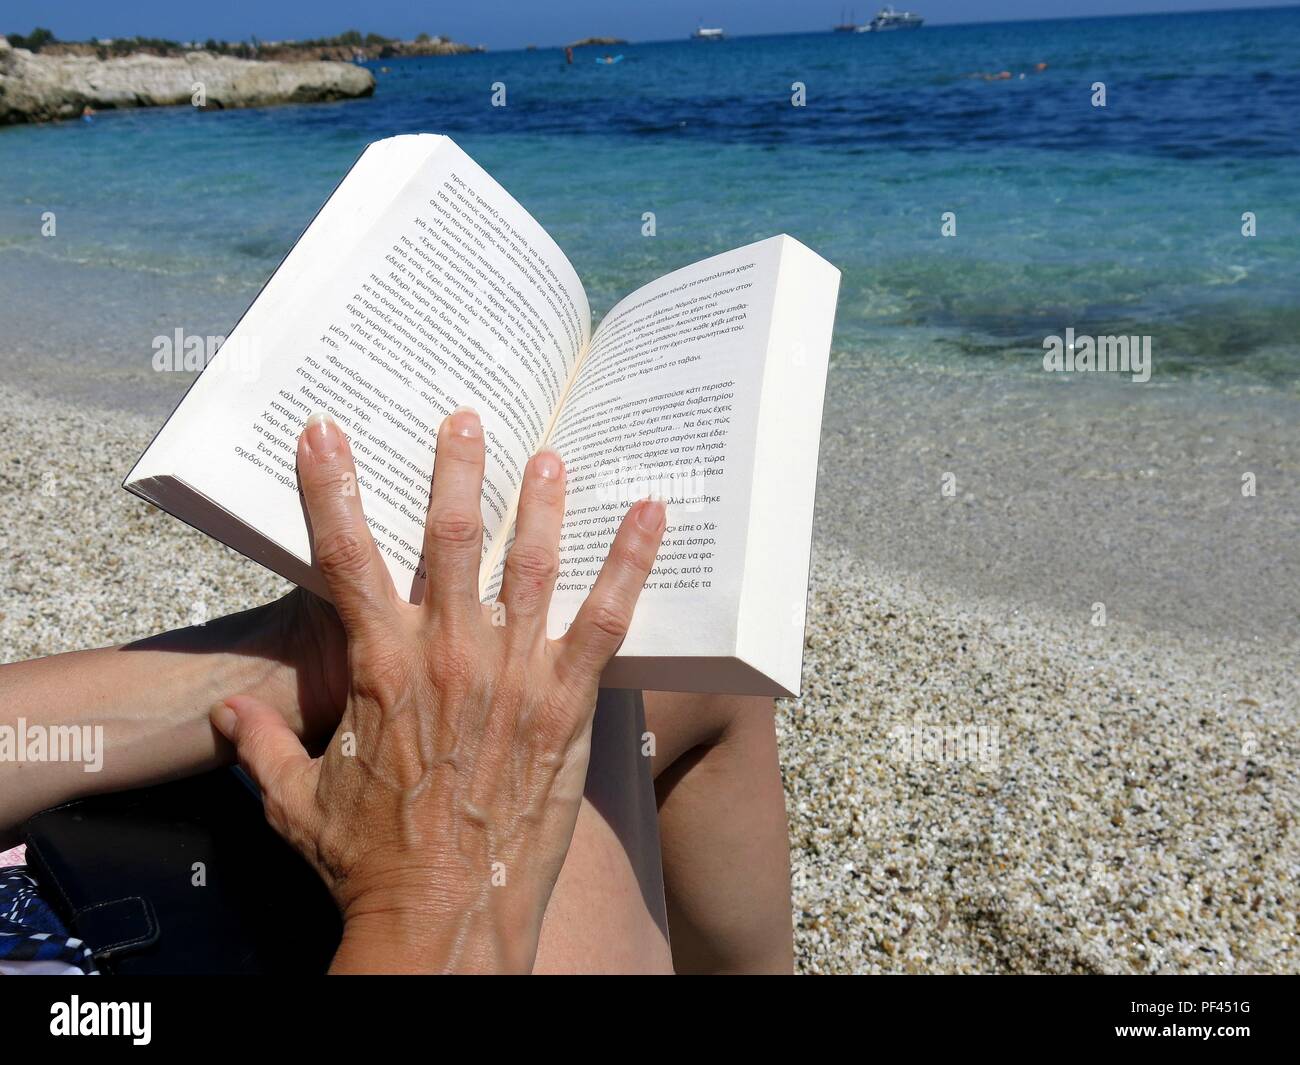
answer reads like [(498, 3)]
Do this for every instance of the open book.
[(421, 286)]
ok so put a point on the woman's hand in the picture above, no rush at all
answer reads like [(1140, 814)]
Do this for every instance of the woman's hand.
[(302, 635), (440, 814)]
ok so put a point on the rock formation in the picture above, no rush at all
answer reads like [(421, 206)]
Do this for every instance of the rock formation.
[(40, 88)]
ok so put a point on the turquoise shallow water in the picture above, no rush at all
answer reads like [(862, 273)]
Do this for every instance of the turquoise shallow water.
[(1124, 219)]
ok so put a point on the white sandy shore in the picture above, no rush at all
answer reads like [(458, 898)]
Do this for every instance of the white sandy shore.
[(1131, 809)]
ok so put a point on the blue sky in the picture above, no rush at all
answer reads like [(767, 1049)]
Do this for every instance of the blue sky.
[(515, 23)]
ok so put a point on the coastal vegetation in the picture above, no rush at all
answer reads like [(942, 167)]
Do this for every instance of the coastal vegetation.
[(350, 45)]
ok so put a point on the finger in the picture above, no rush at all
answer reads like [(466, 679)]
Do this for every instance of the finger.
[(271, 754), (603, 620), (453, 532), (344, 550), (534, 559)]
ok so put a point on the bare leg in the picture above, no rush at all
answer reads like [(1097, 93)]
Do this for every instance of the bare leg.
[(725, 837), (607, 913), (726, 858)]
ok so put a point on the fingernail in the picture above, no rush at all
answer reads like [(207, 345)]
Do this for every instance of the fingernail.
[(650, 516), (323, 436), (225, 720), (465, 422), (549, 465)]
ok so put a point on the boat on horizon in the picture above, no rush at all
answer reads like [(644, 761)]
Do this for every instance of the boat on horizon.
[(708, 33), (851, 26), (889, 19)]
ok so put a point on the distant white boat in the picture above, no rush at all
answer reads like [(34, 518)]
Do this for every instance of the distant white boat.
[(706, 33), (889, 19)]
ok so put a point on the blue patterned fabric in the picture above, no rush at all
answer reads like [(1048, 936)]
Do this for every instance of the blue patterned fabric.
[(29, 929)]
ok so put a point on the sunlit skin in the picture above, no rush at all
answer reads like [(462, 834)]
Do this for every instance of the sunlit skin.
[(442, 835)]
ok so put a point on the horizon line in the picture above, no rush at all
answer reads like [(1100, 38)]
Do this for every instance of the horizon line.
[(735, 36)]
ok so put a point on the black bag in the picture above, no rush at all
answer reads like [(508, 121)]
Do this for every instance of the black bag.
[(185, 877)]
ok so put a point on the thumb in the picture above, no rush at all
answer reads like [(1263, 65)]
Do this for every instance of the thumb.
[(268, 750)]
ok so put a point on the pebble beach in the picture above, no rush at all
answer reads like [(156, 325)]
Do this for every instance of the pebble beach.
[(971, 788), (1050, 710)]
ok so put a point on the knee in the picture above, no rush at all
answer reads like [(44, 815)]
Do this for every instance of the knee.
[(683, 721)]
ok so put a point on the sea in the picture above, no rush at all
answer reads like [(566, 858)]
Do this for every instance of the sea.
[(1135, 176)]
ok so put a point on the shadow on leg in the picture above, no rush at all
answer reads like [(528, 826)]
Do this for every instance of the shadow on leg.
[(724, 833), (607, 912)]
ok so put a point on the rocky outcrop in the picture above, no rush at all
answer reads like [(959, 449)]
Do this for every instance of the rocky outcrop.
[(39, 88), (296, 51)]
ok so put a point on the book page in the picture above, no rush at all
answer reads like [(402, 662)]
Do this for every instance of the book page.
[(420, 286), (665, 404), (773, 602)]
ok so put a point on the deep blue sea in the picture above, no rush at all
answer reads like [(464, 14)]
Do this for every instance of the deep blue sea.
[(1118, 219)]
